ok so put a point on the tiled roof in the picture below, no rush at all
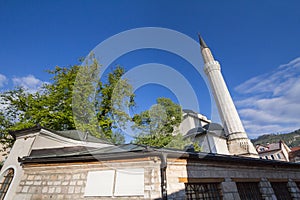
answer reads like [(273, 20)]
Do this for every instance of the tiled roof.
[(269, 147), (295, 148)]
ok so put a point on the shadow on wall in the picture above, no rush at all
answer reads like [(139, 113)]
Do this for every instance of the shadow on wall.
[(180, 195)]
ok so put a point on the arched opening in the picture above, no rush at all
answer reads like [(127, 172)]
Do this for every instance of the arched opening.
[(5, 182)]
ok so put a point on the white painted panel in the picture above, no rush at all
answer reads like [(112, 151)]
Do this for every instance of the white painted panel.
[(129, 182), (100, 183)]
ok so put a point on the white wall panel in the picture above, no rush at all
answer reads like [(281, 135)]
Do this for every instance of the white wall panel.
[(100, 183), (129, 182)]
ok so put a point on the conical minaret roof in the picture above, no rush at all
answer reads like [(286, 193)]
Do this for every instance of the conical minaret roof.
[(202, 42), (205, 51)]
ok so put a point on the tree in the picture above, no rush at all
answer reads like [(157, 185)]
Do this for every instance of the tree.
[(53, 105), (75, 98), (157, 124), (99, 105)]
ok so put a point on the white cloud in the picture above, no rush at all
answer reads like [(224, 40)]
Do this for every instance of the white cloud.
[(29, 82), (269, 103), (3, 80)]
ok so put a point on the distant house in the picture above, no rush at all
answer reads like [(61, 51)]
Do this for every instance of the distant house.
[(274, 151), (294, 154)]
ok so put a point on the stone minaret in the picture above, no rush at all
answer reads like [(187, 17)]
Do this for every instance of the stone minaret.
[(238, 141)]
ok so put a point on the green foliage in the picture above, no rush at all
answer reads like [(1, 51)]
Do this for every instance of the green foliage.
[(160, 118), (96, 104), (179, 142), (5, 140), (158, 126), (291, 139), (77, 99), (116, 97)]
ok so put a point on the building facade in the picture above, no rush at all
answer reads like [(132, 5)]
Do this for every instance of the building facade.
[(138, 172)]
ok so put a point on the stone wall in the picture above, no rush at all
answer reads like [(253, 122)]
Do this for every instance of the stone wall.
[(180, 172), (67, 181)]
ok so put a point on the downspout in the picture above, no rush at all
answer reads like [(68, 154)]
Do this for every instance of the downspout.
[(163, 175)]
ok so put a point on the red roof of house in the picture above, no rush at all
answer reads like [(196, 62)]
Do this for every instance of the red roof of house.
[(295, 148)]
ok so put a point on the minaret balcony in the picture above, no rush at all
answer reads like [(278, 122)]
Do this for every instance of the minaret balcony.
[(211, 66)]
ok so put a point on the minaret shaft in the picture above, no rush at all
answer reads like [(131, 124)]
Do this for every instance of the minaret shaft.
[(226, 108), (238, 142)]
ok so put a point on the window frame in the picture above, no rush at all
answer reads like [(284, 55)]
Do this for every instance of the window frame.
[(279, 188), (214, 191), (6, 180), (251, 191), (278, 156)]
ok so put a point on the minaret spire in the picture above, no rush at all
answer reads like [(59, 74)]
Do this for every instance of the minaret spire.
[(201, 41), (238, 141), (205, 51)]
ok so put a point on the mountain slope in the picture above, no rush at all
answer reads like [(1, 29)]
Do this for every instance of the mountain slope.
[(291, 139)]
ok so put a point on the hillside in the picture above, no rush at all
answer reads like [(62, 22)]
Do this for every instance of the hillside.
[(291, 139)]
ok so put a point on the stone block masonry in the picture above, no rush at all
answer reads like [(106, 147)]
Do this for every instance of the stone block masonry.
[(68, 181)]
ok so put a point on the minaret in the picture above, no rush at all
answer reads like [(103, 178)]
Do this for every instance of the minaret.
[(238, 141)]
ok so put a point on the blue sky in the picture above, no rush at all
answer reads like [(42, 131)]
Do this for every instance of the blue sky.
[(257, 43)]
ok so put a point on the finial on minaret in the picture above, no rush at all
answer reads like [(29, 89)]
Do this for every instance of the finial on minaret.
[(205, 51), (202, 43)]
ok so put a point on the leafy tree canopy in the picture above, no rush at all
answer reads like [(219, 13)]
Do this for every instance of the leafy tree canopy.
[(159, 126), (53, 105), (76, 99)]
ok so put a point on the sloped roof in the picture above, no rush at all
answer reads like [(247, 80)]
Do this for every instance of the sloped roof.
[(295, 148), (80, 136), (274, 146), (269, 147), (130, 151), (195, 131), (71, 134), (214, 128)]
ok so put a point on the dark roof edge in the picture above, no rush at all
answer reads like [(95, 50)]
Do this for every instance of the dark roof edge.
[(38, 128), (158, 153), (25, 131)]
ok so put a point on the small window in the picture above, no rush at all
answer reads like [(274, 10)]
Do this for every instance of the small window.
[(203, 191), (281, 190), (266, 157), (5, 182), (278, 156), (260, 157), (272, 156), (262, 149), (249, 190)]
